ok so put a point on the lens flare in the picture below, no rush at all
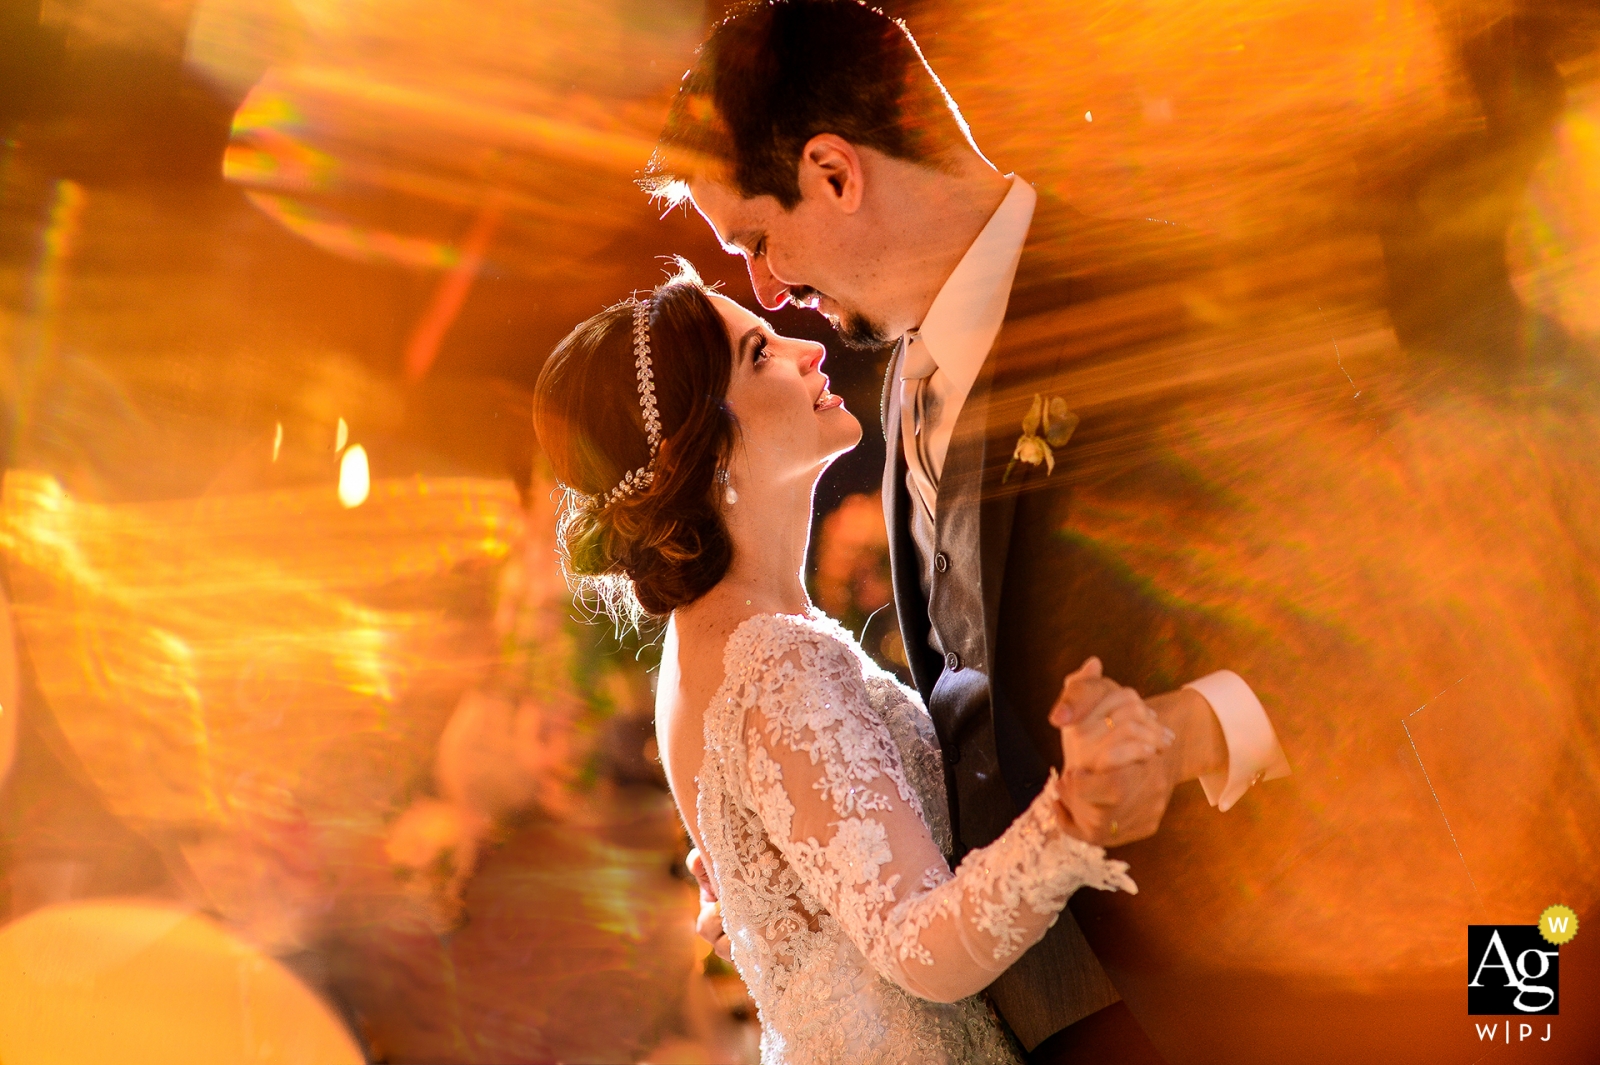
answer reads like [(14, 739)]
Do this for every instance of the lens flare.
[(1555, 240), (355, 481), (163, 985)]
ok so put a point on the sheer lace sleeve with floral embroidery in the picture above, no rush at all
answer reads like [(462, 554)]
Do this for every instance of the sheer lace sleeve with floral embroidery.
[(823, 774)]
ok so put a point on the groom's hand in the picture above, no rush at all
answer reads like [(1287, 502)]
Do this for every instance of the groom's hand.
[(1137, 796), (1199, 747)]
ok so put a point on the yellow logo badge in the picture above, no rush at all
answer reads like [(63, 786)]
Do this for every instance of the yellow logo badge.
[(1558, 924)]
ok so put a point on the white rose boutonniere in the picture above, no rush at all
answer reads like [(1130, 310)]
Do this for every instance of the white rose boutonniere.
[(1057, 423)]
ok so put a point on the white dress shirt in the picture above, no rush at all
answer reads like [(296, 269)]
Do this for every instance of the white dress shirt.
[(938, 363)]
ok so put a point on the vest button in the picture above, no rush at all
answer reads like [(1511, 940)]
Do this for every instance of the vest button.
[(952, 661), (941, 562)]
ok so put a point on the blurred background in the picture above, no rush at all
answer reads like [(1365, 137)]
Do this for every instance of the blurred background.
[(289, 680)]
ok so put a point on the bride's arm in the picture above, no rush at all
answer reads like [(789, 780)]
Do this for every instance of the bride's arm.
[(824, 774)]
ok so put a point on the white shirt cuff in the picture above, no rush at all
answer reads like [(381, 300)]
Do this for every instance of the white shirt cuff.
[(1254, 753)]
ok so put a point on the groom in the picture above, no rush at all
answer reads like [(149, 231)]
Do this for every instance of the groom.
[(817, 143)]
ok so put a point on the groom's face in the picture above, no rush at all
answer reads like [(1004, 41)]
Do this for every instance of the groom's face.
[(803, 256)]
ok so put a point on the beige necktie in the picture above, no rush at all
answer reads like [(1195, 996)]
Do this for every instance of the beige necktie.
[(918, 403)]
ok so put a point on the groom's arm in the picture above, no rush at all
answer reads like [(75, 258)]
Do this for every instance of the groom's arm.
[(1250, 748)]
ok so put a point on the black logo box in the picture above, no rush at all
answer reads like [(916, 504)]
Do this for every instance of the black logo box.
[(1512, 971)]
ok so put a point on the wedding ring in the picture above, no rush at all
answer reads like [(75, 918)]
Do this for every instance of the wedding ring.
[(1113, 831)]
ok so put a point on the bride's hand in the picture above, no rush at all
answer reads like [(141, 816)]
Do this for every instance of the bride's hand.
[(1110, 743), (1090, 712), (1080, 692), (708, 924)]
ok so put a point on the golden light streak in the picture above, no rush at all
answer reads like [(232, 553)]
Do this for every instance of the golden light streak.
[(277, 441), (1555, 239), (452, 291), (443, 105), (343, 237), (56, 246), (235, 631), (503, 123), (8, 688), (1229, 115), (354, 479), (341, 436)]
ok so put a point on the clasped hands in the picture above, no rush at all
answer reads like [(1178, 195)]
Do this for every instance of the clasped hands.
[(1123, 755)]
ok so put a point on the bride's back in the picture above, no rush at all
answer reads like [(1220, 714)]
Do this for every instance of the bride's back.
[(691, 672)]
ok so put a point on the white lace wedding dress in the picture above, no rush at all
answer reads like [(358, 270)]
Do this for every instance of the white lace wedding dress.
[(822, 815)]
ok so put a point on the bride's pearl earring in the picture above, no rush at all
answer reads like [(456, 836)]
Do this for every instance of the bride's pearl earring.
[(728, 493)]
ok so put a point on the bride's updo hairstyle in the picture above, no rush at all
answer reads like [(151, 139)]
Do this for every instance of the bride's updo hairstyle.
[(662, 546)]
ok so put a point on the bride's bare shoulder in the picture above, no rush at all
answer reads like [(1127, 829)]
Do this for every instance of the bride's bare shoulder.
[(692, 655), (691, 672), (703, 628)]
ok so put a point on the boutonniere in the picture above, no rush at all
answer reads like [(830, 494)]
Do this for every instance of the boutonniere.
[(1057, 423)]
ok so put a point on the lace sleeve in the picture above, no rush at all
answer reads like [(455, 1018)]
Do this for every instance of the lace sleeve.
[(823, 774)]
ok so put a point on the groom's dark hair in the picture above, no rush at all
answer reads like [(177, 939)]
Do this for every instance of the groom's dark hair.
[(776, 73)]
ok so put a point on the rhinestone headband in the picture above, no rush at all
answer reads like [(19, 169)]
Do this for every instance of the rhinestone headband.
[(638, 480)]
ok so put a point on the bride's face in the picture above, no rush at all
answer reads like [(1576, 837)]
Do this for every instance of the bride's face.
[(790, 425)]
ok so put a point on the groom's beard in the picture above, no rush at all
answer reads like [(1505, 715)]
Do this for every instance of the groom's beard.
[(862, 333), (855, 329)]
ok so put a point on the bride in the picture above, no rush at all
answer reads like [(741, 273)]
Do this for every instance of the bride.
[(690, 437)]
